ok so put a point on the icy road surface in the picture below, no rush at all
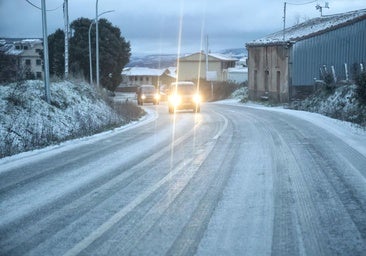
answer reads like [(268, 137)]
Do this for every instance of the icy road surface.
[(231, 180)]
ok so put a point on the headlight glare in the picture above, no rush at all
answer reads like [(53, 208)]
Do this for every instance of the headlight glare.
[(175, 99), (197, 98)]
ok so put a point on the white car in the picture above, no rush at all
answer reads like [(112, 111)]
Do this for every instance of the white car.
[(184, 95)]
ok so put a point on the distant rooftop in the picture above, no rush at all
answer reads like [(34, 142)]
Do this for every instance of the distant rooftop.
[(7, 45), (142, 71), (219, 56), (311, 28)]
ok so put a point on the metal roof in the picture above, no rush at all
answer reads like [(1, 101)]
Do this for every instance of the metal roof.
[(311, 28)]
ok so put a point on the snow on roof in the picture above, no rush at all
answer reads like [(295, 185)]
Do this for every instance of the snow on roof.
[(31, 41), (8, 46), (9, 49), (221, 56), (142, 71), (172, 72), (311, 28), (13, 51)]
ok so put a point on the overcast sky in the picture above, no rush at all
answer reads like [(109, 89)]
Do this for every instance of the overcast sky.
[(161, 26)]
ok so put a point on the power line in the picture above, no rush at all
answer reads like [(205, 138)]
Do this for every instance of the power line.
[(302, 3), (39, 8)]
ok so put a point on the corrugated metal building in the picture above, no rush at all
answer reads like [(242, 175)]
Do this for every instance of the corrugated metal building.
[(285, 64)]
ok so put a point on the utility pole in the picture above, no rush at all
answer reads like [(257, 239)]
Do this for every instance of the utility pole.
[(206, 57), (90, 56), (284, 21), (45, 54), (96, 43), (66, 21), (89, 40)]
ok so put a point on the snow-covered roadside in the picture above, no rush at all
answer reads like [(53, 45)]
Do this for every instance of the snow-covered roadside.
[(350, 133), (34, 155), (76, 110)]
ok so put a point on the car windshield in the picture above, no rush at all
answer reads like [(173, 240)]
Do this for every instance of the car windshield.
[(148, 89), (183, 88)]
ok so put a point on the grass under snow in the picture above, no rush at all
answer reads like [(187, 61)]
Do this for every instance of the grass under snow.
[(77, 109)]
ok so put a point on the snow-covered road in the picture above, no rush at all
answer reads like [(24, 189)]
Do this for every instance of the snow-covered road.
[(232, 180)]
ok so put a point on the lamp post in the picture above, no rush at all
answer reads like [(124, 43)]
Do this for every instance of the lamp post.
[(45, 54), (90, 57), (96, 42), (66, 20)]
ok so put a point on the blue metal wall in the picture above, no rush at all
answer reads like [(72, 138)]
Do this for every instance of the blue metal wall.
[(334, 48)]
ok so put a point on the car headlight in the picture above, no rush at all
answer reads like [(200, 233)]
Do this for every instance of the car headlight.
[(143, 96), (197, 98), (175, 99), (157, 96)]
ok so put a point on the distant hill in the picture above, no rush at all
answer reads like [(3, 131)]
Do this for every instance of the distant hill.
[(170, 60), (153, 61), (236, 52)]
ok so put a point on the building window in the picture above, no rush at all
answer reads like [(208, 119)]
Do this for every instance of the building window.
[(17, 47), (28, 62), (38, 62), (38, 50), (255, 81), (25, 47), (39, 75), (141, 78), (266, 81), (29, 75)]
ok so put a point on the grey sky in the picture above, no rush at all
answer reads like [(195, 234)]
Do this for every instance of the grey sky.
[(154, 26)]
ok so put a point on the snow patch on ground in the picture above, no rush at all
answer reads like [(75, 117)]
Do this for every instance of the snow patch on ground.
[(352, 134)]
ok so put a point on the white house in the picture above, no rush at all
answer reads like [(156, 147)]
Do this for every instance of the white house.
[(27, 54)]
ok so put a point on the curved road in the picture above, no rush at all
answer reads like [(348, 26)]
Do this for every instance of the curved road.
[(230, 180)]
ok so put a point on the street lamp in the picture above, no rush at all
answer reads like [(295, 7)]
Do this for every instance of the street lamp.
[(90, 57), (96, 42), (45, 54)]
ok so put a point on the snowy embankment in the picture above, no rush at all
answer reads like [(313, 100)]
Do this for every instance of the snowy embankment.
[(352, 134), (28, 122), (342, 104), (339, 113)]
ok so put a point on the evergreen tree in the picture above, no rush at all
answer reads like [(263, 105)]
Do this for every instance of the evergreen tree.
[(8, 68), (56, 49), (114, 51)]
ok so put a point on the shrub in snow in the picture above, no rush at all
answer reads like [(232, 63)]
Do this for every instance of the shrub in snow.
[(342, 104), (76, 110), (361, 87), (329, 82), (242, 93)]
